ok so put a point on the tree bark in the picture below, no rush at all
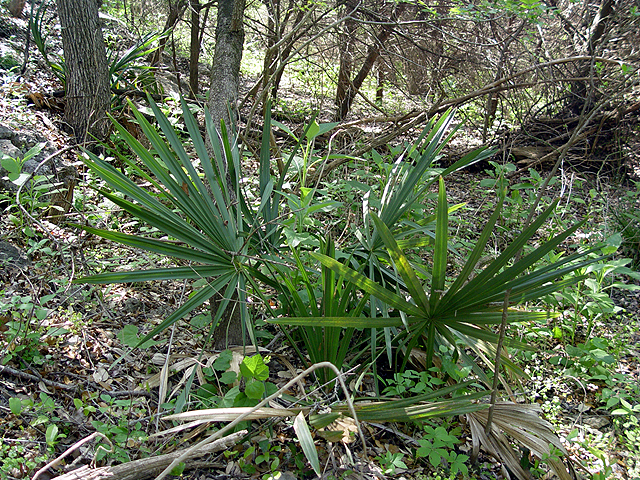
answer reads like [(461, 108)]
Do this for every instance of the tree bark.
[(347, 43), (87, 77), (582, 93), (225, 74), (223, 98), (228, 332), (176, 10), (344, 100), (16, 7), (194, 49)]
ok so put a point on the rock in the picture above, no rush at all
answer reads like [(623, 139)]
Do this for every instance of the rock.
[(596, 422), (12, 257), (6, 133), (9, 149), (26, 140), (169, 84)]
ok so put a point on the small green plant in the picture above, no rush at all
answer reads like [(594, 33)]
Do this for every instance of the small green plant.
[(24, 328), (437, 445), (324, 295), (118, 429), (225, 388), (589, 299), (409, 382), (13, 166), (591, 359), (391, 463), (627, 216), (268, 457), (16, 461)]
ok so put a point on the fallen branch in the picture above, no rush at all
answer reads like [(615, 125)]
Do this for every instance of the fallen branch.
[(152, 466), (35, 378)]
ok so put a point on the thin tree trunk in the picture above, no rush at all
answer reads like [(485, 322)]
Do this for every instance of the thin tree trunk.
[(194, 51), (87, 80), (344, 103), (176, 10), (286, 51), (226, 63), (347, 43), (223, 97), (581, 92), (16, 7), (379, 84)]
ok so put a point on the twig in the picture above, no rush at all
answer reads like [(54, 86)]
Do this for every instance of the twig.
[(62, 386), (35, 378)]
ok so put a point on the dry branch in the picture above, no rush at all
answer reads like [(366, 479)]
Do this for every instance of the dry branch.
[(150, 467)]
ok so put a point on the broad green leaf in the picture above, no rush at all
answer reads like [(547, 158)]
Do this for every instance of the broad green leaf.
[(313, 130), (254, 390), (285, 129), (51, 435), (15, 405), (254, 367)]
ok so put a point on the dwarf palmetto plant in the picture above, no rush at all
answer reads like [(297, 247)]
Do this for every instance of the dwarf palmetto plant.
[(329, 297), (212, 227), (412, 176), (126, 70), (461, 312)]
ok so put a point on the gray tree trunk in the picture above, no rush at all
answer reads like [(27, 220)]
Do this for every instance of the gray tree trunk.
[(223, 96), (226, 62), (16, 7), (176, 10), (87, 80)]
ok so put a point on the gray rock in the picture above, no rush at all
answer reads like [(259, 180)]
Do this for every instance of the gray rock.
[(596, 422), (8, 148), (169, 84), (30, 165), (6, 133), (26, 140), (11, 257)]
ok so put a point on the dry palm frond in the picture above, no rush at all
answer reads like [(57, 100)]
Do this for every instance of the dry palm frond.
[(523, 424)]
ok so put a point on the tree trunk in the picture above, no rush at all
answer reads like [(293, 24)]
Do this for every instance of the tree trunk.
[(347, 43), (344, 101), (380, 84), (223, 96), (194, 49), (228, 331), (176, 10), (225, 74), (582, 93), (87, 79), (16, 7)]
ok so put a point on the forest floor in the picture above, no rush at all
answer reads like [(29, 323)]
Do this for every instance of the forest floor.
[(66, 371)]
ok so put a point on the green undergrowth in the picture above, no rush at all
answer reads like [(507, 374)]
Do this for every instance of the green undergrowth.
[(314, 268)]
